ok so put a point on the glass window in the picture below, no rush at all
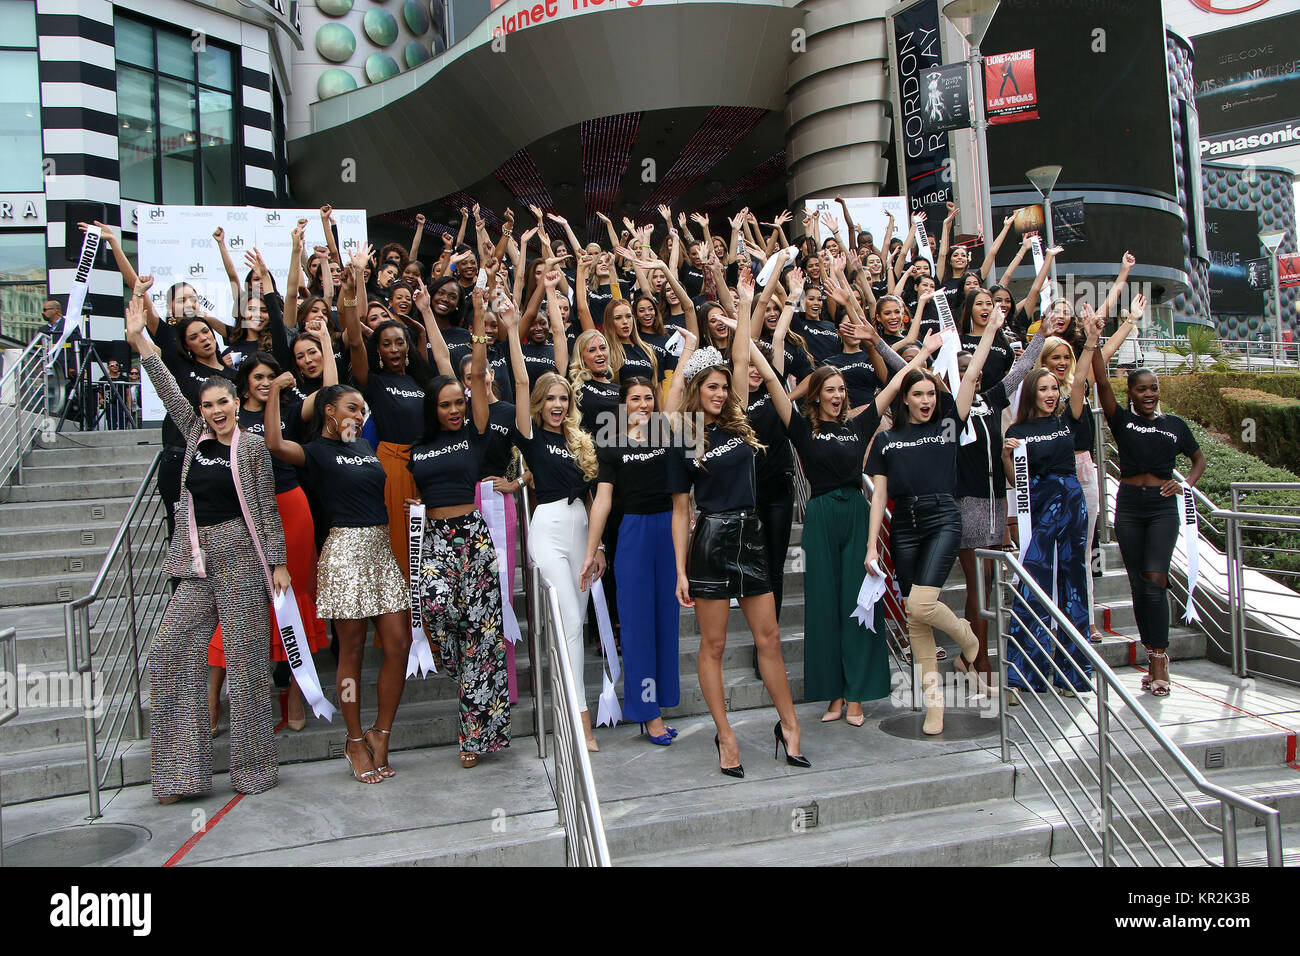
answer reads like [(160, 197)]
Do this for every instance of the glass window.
[(18, 23), (217, 147), (215, 68), (20, 122), (178, 143), (134, 43), (137, 138), (175, 55), (22, 283)]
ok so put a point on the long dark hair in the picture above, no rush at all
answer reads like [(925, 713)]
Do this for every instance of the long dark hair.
[(246, 371), (965, 318), (416, 366), (329, 395), (183, 328), (898, 409), (1028, 410)]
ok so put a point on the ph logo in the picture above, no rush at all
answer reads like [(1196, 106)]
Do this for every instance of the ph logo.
[(272, 216), (196, 269), (236, 242), (156, 214)]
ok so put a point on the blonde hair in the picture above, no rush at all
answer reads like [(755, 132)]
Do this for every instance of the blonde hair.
[(616, 354), (1053, 343), (732, 419), (578, 371), (579, 443)]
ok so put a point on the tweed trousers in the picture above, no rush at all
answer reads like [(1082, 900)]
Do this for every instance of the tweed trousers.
[(233, 594)]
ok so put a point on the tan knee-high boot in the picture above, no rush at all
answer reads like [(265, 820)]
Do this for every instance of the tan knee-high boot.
[(925, 604), (921, 636)]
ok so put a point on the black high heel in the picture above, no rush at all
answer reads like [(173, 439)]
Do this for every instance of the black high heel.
[(737, 771), (797, 760)]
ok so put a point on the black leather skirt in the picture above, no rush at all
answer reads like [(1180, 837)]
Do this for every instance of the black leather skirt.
[(728, 557)]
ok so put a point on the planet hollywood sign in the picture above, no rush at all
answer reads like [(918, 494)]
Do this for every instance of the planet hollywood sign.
[(530, 15)]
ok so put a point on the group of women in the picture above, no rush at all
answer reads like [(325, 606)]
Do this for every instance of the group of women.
[(664, 470)]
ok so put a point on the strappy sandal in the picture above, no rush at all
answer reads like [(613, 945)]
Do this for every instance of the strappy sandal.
[(362, 777), (384, 770), (468, 760), (1157, 686)]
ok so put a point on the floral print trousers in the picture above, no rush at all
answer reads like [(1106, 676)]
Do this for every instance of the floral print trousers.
[(461, 603)]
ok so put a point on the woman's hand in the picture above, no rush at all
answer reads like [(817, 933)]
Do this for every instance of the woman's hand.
[(135, 317), (592, 569), (932, 343), (1171, 487), (1009, 446), (684, 591), (503, 486), (283, 380), (280, 579), (143, 284), (219, 234)]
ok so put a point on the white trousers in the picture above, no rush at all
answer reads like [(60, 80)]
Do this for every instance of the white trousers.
[(557, 544), (1086, 470)]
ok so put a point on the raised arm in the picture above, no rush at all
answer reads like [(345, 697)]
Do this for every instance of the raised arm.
[(331, 241), (1136, 308), (351, 319), (219, 237), (1079, 393), (1031, 299), (437, 345), (295, 267), (523, 420), (559, 340), (991, 257), (276, 443), (1121, 280), (741, 344), (848, 220), (580, 293), (901, 262), (123, 263), (178, 406), (967, 393), (673, 400), (464, 221), (1025, 361), (885, 397), (1105, 394), (419, 234), (945, 243), (478, 381), (775, 387), (1018, 258)]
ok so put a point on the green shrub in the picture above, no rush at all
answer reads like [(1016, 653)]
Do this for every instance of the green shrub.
[(1268, 425)]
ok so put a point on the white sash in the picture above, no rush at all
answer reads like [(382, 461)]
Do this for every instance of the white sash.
[(1045, 296), (420, 659), (873, 589), (494, 515), (608, 712), (675, 343), (77, 294), (923, 247), (1019, 503), (1191, 547), (294, 638)]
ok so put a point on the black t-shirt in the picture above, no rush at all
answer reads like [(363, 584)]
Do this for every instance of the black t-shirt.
[(447, 468), (1050, 442), (832, 457), (598, 299), (212, 485), (538, 360), (594, 399), (979, 464), (286, 476), (691, 278), (723, 476), (349, 481), (500, 440), (636, 362), (189, 375), (639, 474), (859, 375), (1001, 358), (920, 459), (821, 336), (397, 407), (659, 343), (1085, 432), (1149, 446), (776, 465), (556, 475), (458, 345), (498, 358)]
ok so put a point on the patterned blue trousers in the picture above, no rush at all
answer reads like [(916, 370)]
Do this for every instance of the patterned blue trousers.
[(1057, 560)]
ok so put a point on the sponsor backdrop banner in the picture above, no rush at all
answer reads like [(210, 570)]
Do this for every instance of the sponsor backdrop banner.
[(1233, 235), (1248, 86), (175, 245), (870, 214), (1011, 93)]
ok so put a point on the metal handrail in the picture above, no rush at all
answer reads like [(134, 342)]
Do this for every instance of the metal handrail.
[(523, 512), (1106, 685), (8, 709), (575, 785), (129, 596), (24, 383)]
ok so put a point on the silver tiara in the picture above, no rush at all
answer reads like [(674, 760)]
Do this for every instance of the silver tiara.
[(701, 361)]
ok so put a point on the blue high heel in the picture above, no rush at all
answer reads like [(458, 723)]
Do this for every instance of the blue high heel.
[(663, 740)]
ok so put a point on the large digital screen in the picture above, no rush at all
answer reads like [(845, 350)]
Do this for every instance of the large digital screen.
[(1233, 236), (1248, 86), (1103, 94)]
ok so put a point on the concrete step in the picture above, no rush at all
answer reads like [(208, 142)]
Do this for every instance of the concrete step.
[(63, 538), (37, 515), (133, 454), (86, 491), (104, 439), (76, 474)]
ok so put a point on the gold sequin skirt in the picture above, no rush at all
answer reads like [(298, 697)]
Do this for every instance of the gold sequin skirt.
[(357, 575)]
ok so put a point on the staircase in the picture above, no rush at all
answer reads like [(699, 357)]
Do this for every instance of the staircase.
[(871, 797)]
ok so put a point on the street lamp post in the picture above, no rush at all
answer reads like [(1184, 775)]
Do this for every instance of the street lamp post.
[(972, 19), (1043, 178), (1271, 240)]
